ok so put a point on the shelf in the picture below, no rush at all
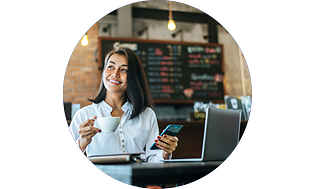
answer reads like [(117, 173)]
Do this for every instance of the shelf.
[(187, 101), (191, 123)]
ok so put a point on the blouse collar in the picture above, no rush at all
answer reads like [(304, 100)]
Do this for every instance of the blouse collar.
[(127, 106)]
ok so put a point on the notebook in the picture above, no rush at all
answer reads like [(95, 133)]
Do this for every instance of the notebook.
[(115, 158), (221, 135)]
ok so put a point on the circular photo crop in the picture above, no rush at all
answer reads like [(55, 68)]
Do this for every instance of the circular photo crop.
[(157, 94)]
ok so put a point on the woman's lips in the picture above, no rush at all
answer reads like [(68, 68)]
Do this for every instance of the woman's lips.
[(114, 81)]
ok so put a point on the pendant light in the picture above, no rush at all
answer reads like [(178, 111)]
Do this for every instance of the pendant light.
[(85, 40), (171, 24)]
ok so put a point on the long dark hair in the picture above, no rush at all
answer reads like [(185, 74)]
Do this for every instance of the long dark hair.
[(138, 92)]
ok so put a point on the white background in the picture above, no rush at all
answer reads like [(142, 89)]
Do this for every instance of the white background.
[(276, 38)]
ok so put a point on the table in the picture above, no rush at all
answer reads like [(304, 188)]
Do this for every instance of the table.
[(176, 173)]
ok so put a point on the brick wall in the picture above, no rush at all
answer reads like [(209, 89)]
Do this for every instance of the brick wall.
[(82, 76)]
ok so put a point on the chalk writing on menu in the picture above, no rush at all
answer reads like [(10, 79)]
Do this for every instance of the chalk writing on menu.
[(180, 71)]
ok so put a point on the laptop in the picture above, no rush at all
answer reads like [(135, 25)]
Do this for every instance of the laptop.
[(221, 135)]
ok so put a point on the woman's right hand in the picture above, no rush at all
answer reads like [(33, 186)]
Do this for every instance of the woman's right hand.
[(87, 131)]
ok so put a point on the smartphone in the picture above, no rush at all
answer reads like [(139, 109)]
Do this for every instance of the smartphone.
[(171, 130)]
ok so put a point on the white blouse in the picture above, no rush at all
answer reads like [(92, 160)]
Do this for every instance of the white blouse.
[(132, 136)]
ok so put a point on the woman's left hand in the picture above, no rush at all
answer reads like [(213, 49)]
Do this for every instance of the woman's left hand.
[(168, 144)]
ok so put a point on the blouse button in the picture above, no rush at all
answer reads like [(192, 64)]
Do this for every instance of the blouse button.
[(123, 141)]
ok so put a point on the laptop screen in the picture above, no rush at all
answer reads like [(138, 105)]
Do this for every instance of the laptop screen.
[(221, 134)]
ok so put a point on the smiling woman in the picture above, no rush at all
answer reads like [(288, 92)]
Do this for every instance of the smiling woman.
[(123, 93), (137, 91)]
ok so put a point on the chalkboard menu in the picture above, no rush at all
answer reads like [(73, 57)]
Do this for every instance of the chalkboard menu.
[(176, 70)]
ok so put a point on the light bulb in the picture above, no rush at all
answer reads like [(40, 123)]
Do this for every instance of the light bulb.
[(85, 40), (171, 25)]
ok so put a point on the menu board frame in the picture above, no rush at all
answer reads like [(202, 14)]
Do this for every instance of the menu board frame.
[(101, 57)]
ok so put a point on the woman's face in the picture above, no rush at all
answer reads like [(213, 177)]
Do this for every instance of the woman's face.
[(115, 74)]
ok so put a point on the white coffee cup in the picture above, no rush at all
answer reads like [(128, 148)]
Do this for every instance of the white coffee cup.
[(107, 124)]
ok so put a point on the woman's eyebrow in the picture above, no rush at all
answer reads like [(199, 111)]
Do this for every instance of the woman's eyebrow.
[(115, 63)]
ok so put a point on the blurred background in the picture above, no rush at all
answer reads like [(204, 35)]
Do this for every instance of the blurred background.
[(147, 26)]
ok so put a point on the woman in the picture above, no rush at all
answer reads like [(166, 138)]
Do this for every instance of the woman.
[(123, 93)]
